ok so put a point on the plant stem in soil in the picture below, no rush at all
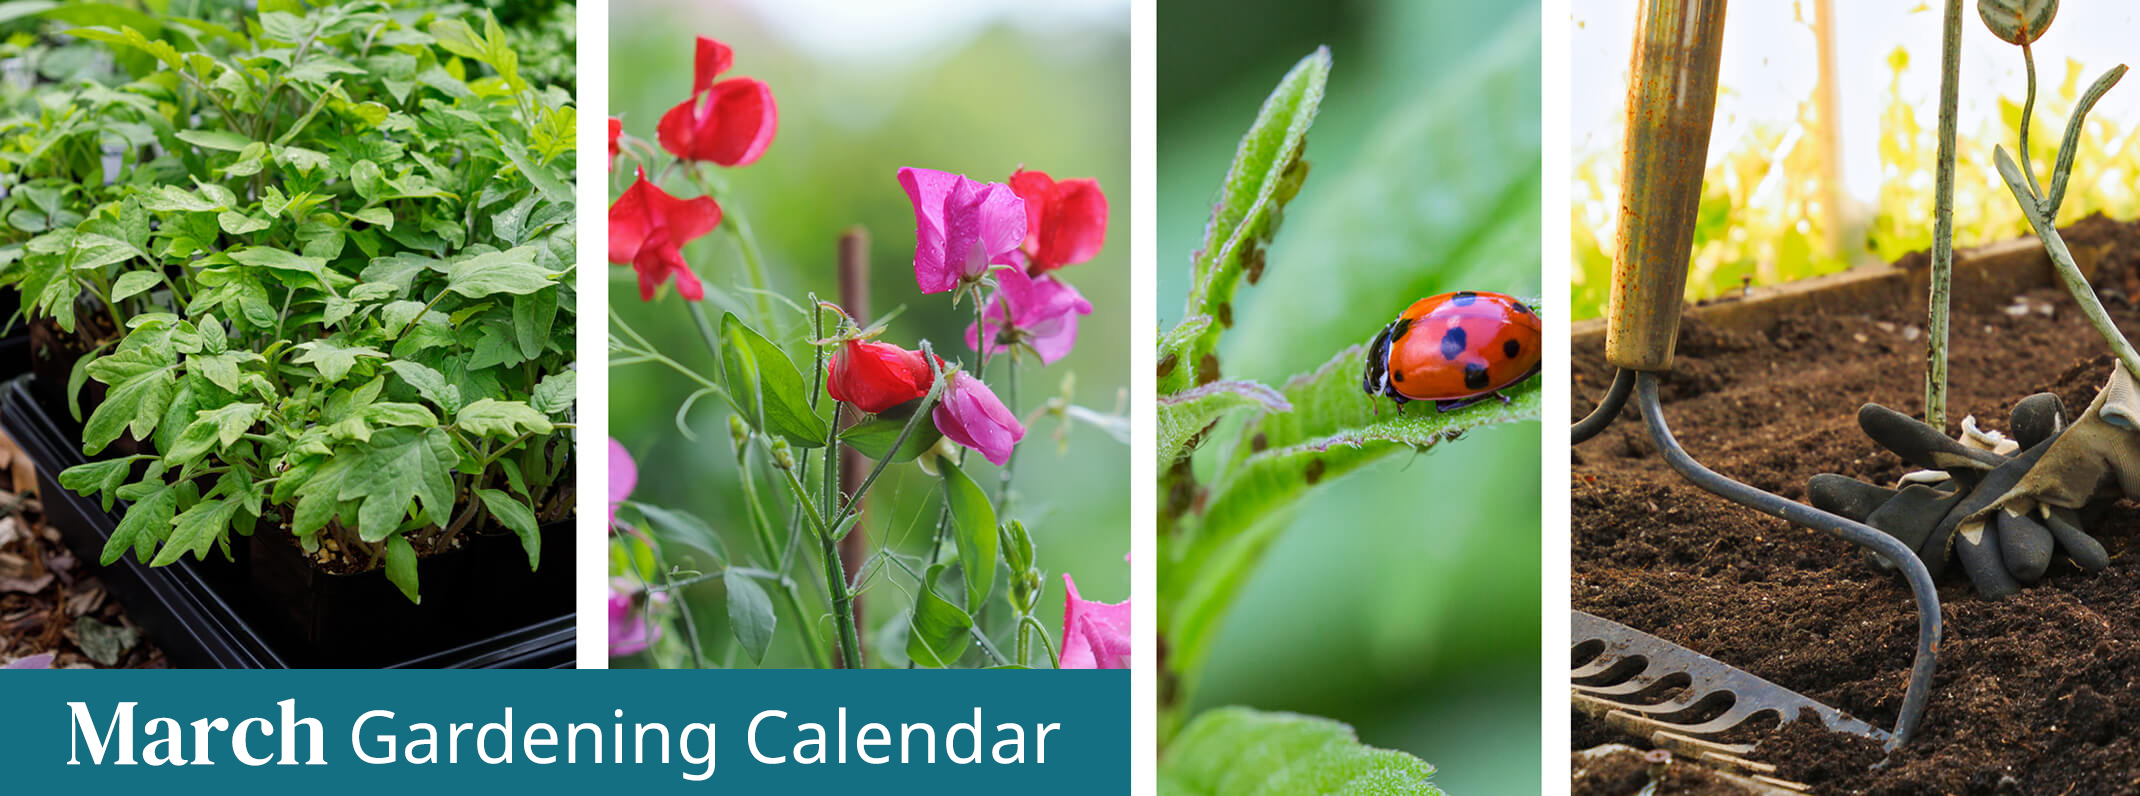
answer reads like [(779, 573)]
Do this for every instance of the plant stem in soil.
[(1950, 64)]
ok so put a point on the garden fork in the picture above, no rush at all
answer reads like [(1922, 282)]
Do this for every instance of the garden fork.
[(1671, 103)]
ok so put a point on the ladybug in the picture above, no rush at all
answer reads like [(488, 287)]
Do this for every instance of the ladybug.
[(1455, 349)]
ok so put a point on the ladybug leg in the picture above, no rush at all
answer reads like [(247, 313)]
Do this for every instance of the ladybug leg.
[(1451, 406), (1504, 398)]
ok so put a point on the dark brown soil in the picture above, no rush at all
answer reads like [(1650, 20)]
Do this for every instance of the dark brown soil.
[(1620, 770), (2034, 694)]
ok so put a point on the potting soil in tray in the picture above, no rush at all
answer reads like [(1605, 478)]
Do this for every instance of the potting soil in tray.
[(261, 611), (2038, 693)]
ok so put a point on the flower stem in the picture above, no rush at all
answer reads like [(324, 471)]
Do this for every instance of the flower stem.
[(698, 658), (1943, 221), (761, 524), (753, 264), (835, 579)]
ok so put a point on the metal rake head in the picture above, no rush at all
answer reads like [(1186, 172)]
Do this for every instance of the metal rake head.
[(1680, 698)]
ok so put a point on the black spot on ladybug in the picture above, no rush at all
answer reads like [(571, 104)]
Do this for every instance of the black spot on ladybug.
[(1397, 375), (1453, 342), (1315, 471), (1259, 442), (1463, 298), (1474, 376), (1226, 314), (1167, 363), (1511, 348), (1398, 328), (1521, 308)]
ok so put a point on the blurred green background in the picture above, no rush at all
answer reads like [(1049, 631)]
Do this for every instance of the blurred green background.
[(1405, 599), (981, 90)]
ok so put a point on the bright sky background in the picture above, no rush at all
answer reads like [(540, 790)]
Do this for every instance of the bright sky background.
[(1769, 67), (875, 29)]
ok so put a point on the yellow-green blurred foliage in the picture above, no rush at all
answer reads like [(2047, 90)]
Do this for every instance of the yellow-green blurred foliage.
[(1761, 221)]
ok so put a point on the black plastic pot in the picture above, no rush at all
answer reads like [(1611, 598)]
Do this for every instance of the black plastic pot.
[(481, 608)]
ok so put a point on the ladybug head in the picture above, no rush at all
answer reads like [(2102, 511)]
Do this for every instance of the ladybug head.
[(1376, 380)]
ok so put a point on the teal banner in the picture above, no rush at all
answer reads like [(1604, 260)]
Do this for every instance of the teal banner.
[(327, 732)]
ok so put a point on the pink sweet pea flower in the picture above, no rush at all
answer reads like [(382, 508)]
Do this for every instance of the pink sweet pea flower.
[(961, 227), (648, 229), (1066, 222), (729, 122), (971, 416), (1043, 313), (1095, 634), (623, 475), (631, 626)]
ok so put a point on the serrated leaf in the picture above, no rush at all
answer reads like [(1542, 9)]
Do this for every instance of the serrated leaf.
[(490, 417), (402, 465), (510, 271), (142, 525), (196, 530), (1252, 191), (554, 394), (765, 387), (750, 613), (429, 384), (1185, 414), (518, 518), (400, 414), (973, 528), (1237, 751), (96, 477), (211, 428), (332, 360), (136, 404)]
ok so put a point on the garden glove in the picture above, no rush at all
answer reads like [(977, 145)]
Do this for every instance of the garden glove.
[(1957, 508)]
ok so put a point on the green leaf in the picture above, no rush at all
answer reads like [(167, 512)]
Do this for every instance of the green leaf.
[(552, 188), (394, 413), (1237, 751), (401, 567), (132, 283), (222, 369), (96, 251), (765, 386), (501, 419), (937, 633), (510, 271), (1184, 415), (750, 613), (136, 405), (973, 527), (686, 529), (533, 315), (874, 438), (1267, 169), (429, 384), (402, 465), (196, 530), (142, 525), (91, 478), (554, 394), (279, 260), (332, 360), (517, 517), (220, 140), (224, 425)]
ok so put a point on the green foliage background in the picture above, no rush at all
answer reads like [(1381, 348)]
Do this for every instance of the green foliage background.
[(1055, 100), (1404, 599)]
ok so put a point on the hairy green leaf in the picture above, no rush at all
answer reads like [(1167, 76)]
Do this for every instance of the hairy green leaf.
[(1184, 415), (1237, 751), (765, 387)]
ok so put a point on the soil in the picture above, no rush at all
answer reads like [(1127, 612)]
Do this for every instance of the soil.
[(2037, 693)]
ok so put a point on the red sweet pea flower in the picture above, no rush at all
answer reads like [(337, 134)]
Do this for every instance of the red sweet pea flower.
[(728, 122), (616, 128), (648, 229), (1066, 222), (877, 376)]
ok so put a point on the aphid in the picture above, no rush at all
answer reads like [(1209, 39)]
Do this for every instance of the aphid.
[(1455, 349)]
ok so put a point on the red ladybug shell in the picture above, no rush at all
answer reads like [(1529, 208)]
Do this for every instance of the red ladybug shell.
[(1453, 347)]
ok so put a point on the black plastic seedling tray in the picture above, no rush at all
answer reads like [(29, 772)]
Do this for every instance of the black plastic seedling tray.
[(267, 609)]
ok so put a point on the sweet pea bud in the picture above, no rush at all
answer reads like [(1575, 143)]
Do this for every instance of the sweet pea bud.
[(1025, 590), (783, 457), (1017, 545), (2017, 21), (738, 433)]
